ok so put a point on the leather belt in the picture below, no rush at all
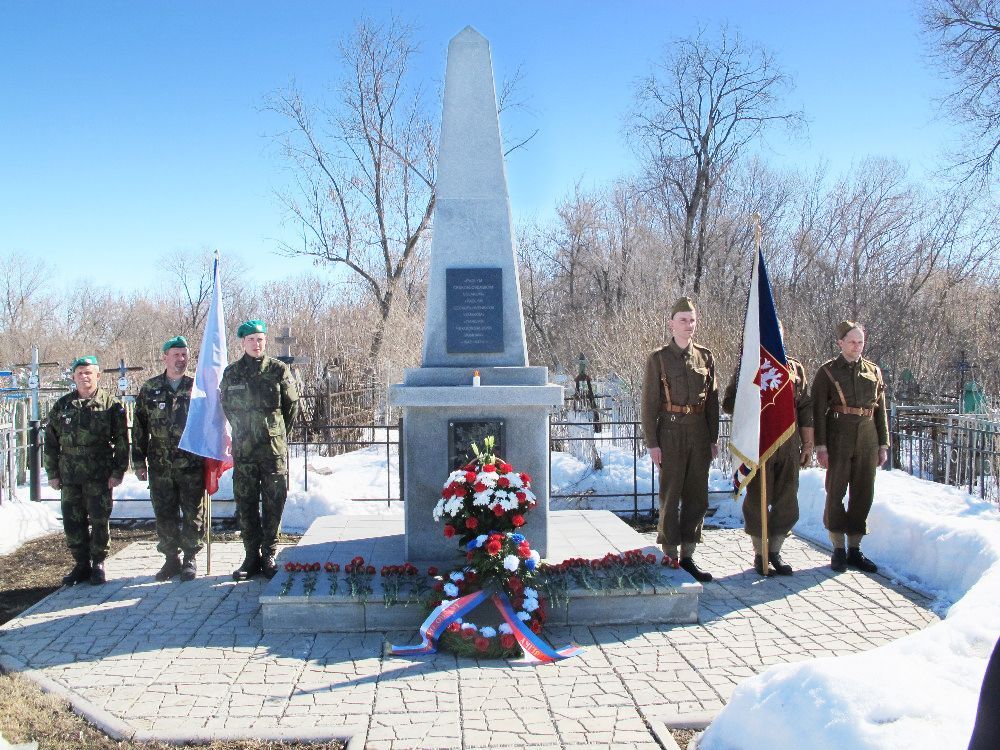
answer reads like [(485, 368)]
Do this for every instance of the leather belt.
[(687, 409), (857, 411)]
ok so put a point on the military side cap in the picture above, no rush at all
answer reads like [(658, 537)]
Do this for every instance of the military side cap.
[(844, 327), (684, 304), (84, 362), (177, 342), (251, 327)]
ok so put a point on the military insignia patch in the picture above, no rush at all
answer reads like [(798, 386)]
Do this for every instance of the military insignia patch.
[(162, 405)]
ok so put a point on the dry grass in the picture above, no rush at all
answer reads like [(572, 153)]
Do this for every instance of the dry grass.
[(27, 713)]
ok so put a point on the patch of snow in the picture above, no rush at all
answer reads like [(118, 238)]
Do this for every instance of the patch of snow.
[(21, 520)]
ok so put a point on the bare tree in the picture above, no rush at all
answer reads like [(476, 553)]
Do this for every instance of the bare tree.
[(364, 169), (965, 36), (693, 116)]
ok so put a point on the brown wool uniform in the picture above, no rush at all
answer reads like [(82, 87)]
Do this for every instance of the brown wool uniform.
[(782, 467), (680, 415), (851, 421)]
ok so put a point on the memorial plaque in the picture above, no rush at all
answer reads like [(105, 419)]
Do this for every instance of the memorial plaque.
[(463, 433), (474, 310)]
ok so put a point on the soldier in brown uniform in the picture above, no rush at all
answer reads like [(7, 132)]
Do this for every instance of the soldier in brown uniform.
[(680, 422), (782, 477), (852, 441)]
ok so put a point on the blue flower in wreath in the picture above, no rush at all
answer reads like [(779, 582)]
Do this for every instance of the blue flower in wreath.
[(530, 563), (471, 545), (517, 538)]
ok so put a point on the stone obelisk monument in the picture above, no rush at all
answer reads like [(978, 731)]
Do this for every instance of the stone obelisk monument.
[(474, 320)]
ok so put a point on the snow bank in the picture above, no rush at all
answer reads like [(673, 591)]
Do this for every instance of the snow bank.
[(22, 520), (918, 692)]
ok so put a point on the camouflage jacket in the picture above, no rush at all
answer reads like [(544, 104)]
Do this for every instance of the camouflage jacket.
[(86, 439), (260, 400), (678, 377), (857, 385), (158, 423)]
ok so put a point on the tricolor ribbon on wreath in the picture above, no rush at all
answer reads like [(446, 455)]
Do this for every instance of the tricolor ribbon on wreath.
[(535, 649)]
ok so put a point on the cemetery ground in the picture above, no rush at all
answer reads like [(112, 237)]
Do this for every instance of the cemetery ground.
[(619, 693)]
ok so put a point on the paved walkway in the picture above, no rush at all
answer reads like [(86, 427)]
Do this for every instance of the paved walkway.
[(175, 661)]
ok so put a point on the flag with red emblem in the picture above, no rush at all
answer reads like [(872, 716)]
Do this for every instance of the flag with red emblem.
[(764, 415)]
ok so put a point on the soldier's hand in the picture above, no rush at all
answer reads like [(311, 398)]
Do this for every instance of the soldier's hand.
[(823, 458), (114, 482), (806, 459), (715, 450), (655, 455), (883, 456), (141, 473), (55, 484)]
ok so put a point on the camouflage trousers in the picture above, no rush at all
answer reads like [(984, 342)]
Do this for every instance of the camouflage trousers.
[(260, 500), (86, 510), (180, 513)]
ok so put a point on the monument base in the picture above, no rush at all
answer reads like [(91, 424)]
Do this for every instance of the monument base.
[(572, 533)]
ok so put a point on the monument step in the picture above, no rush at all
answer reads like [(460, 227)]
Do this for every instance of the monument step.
[(287, 607)]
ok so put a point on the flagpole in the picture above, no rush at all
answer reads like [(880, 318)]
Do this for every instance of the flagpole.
[(762, 470), (208, 533)]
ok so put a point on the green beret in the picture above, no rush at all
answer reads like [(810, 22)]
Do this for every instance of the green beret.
[(844, 327), (684, 304), (251, 327), (90, 359), (177, 342)]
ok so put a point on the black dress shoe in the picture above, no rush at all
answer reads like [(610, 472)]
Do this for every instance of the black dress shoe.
[(79, 574), (780, 566), (702, 576), (758, 565), (856, 559), (269, 568), (171, 567), (97, 576), (250, 567), (189, 570), (839, 560)]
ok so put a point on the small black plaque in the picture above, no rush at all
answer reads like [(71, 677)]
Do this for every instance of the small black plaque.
[(474, 310), (463, 433)]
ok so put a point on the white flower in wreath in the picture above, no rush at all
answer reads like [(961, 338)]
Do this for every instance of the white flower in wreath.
[(523, 616), (481, 540), (451, 589), (455, 476), (511, 563), (482, 498), (505, 628), (487, 632), (457, 576), (454, 506), (439, 510), (535, 556), (469, 626), (530, 605), (514, 479), (530, 593), (489, 478), (508, 502)]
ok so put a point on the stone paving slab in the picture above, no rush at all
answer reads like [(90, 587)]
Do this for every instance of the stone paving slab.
[(185, 661)]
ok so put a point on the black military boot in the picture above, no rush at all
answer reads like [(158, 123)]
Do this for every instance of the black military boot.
[(97, 576), (688, 564), (839, 560), (249, 568), (780, 566), (189, 570), (79, 574), (856, 559), (758, 565), (269, 567), (171, 567)]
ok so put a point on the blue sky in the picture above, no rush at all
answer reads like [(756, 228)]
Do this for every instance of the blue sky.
[(131, 130)]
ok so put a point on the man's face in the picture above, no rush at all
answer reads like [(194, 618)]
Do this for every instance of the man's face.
[(175, 360), (683, 324), (852, 344), (85, 378), (254, 344)]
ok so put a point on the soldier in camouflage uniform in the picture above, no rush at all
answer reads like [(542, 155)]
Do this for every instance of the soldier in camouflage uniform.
[(176, 477), (680, 422), (260, 400), (852, 441), (86, 455), (782, 471)]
